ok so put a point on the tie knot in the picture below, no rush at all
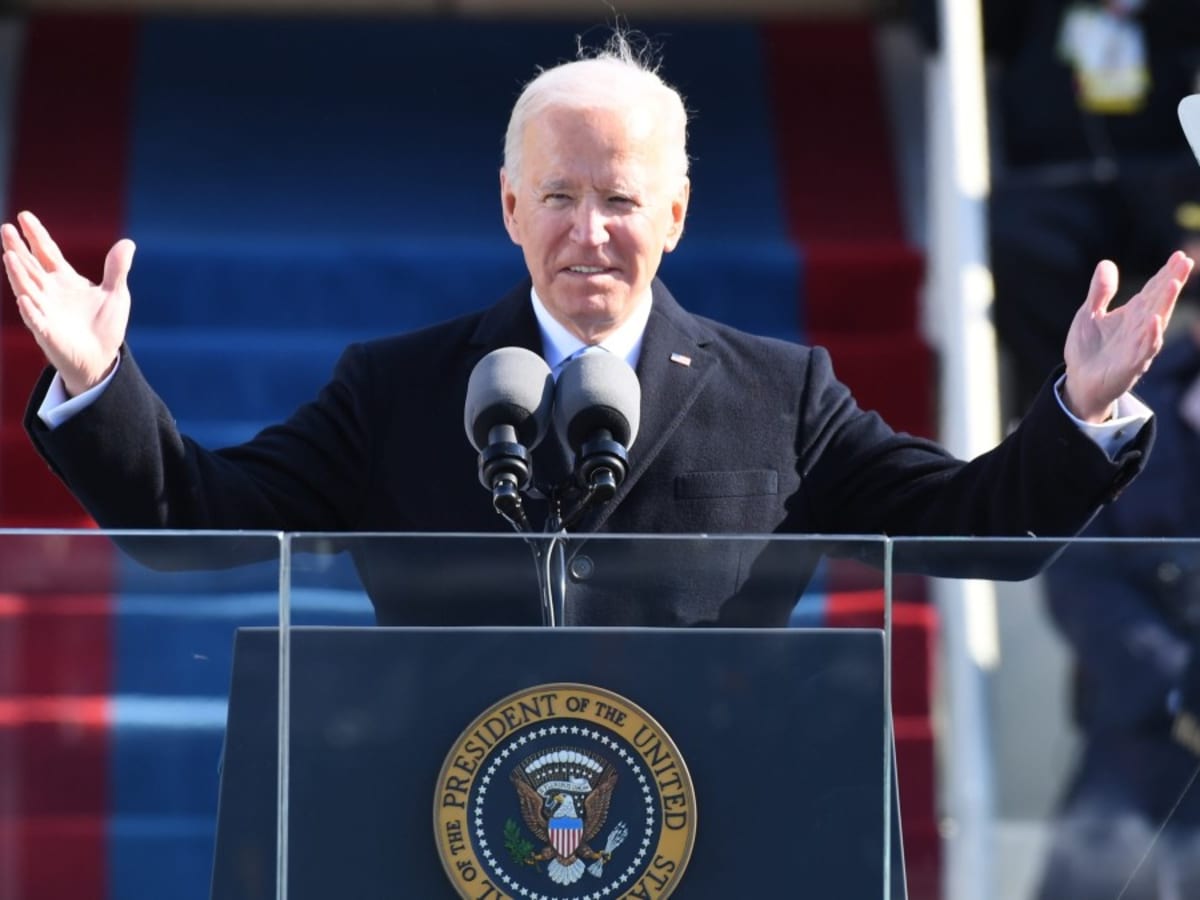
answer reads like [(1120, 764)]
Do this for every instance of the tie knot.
[(570, 358)]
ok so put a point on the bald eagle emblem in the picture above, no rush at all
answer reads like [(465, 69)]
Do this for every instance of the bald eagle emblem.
[(564, 796)]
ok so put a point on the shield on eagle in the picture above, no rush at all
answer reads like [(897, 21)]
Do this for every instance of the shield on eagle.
[(565, 794)]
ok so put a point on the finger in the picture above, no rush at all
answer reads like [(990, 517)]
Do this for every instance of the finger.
[(117, 265), (40, 242), (23, 279), (1166, 303), (1169, 280), (10, 237), (33, 316), (13, 243), (1103, 288)]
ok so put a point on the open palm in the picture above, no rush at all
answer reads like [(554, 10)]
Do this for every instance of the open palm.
[(1107, 351), (79, 325)]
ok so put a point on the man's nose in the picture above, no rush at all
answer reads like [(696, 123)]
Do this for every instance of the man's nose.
[(590, 226)]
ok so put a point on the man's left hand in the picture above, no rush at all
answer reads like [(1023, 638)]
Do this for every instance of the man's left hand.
[(1107, 351)]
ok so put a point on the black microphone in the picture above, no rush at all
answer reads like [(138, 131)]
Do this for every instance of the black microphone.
[(506, 414), (597, 408)]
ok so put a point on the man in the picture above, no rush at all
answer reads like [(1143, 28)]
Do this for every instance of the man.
[(738, 434), (1090, 158), (1129, 824)]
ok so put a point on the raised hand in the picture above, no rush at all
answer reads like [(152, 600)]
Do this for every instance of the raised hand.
[(79, 325), (1107, 351)]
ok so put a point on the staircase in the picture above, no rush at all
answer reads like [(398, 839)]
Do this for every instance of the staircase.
[(293, 185)]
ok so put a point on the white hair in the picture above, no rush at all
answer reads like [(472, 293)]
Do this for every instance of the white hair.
[(616, 76)]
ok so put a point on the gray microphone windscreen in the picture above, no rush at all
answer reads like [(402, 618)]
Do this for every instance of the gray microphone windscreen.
[(510, 386), (597, 390)]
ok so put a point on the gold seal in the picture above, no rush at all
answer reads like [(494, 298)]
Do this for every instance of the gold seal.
[(564, 792)]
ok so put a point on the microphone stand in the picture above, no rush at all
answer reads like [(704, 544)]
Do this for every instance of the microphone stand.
[(552, 574), (601, 477), (549, 552)]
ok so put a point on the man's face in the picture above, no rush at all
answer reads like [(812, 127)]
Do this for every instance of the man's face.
[(593, 211)]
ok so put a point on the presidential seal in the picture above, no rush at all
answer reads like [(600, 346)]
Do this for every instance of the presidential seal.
[(564, 792)]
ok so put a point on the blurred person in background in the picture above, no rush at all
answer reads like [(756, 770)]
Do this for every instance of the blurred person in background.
[(1089, 159), (1131, 615)]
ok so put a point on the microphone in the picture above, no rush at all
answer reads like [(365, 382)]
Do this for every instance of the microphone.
[(597, 409), (506, 414)]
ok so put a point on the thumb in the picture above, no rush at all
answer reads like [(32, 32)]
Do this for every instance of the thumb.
[(117, 265), (1103, 287)]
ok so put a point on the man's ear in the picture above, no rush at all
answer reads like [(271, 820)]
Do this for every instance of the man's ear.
[(508, 207), (679, 205)]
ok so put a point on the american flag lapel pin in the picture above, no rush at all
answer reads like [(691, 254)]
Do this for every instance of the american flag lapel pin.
[(680, 360)]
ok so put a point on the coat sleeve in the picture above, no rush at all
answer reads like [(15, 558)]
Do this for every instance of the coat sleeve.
[(125, 460), (1046, 479)]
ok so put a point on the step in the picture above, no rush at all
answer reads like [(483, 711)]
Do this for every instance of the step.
[(860, 287), (182, 645), (55, 644), (161, 856), (21, 361), (55, 750), (75, 561), (52, 857), (868, 364), (101, 754)]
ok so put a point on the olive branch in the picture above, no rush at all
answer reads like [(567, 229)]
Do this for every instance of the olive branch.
[(518, 847)]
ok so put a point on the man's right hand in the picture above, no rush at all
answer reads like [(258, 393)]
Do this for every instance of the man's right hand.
[(80, 326)]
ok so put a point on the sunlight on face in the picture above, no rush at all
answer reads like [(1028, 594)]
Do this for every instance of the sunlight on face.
[(593, 211)]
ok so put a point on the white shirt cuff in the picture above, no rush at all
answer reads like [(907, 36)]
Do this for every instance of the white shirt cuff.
[(1129, 418), (57, 407)]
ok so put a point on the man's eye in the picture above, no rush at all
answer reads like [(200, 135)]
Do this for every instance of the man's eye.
[(620, 200)]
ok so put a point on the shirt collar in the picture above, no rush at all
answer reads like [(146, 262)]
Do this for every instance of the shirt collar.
[(558, 343)]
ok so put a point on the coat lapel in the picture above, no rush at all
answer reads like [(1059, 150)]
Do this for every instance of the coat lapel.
[(509, 323), (674, 366)]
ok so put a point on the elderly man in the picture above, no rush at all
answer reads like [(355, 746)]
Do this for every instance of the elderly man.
[(739, 434)]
